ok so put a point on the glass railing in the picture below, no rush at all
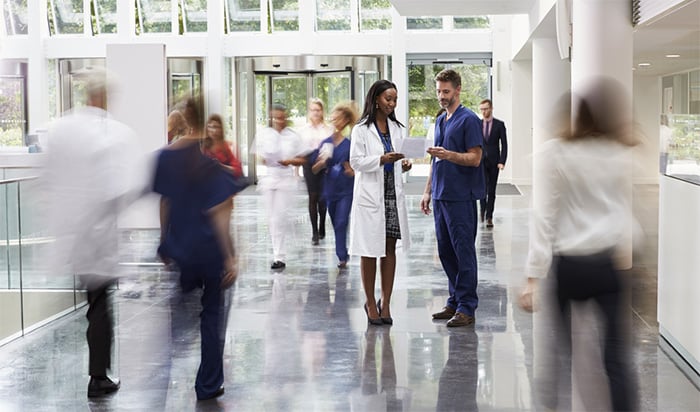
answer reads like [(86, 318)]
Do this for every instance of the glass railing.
[(680, 147), (31, 295)]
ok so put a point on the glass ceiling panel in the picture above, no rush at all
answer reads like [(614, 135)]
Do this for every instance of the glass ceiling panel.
[(15, 16), (243, 15), (194, 17), (67, 16)]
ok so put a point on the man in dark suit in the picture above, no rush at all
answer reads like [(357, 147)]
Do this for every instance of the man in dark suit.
[(495, 151)]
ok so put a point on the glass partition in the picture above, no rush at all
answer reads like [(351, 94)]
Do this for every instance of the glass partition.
[(31, 294), (332, 15), (15, 16), (242, 15)]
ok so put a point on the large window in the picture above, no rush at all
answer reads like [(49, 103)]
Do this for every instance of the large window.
[(284, 15), (242, 15), (424, 23), (194, 16), (375, 15), (66, 17), (154, 16), (332, 15), (12, 111), (105, 17), (14, 16), (422, 100)]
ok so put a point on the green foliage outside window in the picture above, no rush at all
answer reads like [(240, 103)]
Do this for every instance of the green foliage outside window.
[(15, 15), (285, 15), (423, 23), (332, 15), (422, 99), (12, 121), (374, 15), (474, 22)]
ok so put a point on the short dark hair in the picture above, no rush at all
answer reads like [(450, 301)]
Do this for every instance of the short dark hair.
[(486, 101), (449, 75)]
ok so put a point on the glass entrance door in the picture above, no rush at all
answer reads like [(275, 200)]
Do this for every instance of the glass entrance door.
[(262, 82)]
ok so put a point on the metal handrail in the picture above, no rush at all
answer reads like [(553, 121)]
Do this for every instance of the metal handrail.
[(18, 179)]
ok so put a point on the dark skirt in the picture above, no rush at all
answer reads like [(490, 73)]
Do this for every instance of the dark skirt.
[(391, 211)]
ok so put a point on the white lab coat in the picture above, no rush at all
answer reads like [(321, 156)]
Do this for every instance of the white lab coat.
[(367, 223), (94, 170)]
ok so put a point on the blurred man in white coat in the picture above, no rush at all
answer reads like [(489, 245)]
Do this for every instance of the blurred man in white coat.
[(91, 176)]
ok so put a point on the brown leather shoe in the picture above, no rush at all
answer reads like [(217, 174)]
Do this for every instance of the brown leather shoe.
[(489, 223), (460, 319), (446, 313)]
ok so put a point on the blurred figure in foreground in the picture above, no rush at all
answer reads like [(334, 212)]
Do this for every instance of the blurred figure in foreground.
[(312, 134), (333, 164), (197, 192), (91, 176), (280, 148), (581, 214)]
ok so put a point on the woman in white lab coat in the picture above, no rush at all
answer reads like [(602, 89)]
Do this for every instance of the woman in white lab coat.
[(378, 218)]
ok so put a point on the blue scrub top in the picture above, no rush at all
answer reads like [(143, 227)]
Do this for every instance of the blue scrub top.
[(193, 184), (450, 181), (337, 184)]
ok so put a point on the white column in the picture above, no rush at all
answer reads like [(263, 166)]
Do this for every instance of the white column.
[(551, 78), (37, 81), (602, 46), (399, 72), (214, 65)]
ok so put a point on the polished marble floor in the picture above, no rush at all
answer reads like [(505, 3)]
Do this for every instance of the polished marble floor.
[(298, 340)]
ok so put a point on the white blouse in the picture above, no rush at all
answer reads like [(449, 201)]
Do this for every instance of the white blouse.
[(582, 201)]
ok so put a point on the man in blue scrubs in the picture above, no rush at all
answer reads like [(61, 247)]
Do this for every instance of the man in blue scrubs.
[(455, 183)]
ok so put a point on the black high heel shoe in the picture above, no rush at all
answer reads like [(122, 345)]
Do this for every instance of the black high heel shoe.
[(386, 321), (371, 321)]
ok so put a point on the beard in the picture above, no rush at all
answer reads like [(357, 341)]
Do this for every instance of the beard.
[(445, 103)]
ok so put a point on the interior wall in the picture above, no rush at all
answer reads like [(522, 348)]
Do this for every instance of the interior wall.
[(145, 113), (521, 128), (647, 110), (502, 87)]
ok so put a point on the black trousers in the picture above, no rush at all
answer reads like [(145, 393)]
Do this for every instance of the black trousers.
[(580, 278), (100, 324), (491, 179)]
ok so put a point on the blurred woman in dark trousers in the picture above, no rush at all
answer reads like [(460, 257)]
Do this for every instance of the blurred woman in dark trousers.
[(582, 216)]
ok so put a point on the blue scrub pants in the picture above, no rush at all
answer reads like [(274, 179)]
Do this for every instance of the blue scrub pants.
[(339, 210), (213, 319), (455, 230)]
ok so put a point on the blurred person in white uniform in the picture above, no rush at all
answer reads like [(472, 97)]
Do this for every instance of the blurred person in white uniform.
[(280, 149), (581, 216), (94, 171)]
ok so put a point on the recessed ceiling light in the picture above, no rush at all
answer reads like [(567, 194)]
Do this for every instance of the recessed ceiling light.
[(644, 64), (673, 55)]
